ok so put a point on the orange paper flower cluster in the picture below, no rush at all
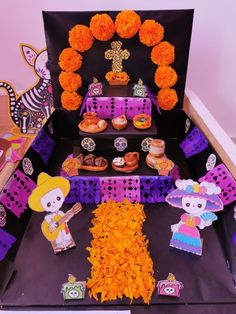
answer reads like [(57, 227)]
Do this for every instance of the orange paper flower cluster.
[(151, 33), (102, 27), (163, 53), (165, 76), (80, 38), (70, 81), (113, 76), (71, 101), (167, 98), (121, 264), (127, 23), (70, 60)]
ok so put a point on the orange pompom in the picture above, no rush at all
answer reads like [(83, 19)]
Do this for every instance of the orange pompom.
[(70, 81), (102, 27), (127, 23), (70, 60), (151, 33), (165, 76), (80, 38), (113, 76), (167, 98), (71, 101), (163, 53)]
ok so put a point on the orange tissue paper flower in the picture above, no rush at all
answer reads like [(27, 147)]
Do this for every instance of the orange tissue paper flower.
[(151, 33), (127, 23), (113, 76), (71, 101), (80, 38), (70, 81), (163, 53), (102, 27), (167, 98), (121, 263), (165, 76), (70, 60)]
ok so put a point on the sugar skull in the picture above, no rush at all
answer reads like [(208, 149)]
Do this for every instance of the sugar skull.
[(120, 143), (27, 166), (145, 145), (95, 89), (211, 161), (169, 287), (73, 290), (88, 144)]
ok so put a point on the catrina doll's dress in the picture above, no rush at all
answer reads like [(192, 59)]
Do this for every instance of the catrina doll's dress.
[(187, 237)]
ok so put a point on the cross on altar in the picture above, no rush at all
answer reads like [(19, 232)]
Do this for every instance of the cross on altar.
[(117, 55)]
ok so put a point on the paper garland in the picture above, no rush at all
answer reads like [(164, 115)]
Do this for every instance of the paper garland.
[(44, 146), (6, 241), (194, 143)]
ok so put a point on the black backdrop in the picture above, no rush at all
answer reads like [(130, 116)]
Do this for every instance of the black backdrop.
[(177, 25)]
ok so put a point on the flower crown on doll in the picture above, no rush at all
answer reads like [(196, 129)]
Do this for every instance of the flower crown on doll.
[(191, 186)]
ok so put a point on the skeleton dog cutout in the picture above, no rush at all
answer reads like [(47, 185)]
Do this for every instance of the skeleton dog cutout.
[(29, 109), (49, 196), (199, 201)]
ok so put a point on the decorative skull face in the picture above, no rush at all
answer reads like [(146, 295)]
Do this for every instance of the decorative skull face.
[(27, 166), (88, 144), (187, 125), (95, 89), (145, 145), (2, 216), (74, 291), (120, 143), (211, 162)]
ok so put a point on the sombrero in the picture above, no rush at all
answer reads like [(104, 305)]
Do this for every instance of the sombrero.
[(45, 184)]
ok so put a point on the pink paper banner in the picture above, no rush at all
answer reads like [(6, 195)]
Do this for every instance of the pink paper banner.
[(111, 107)]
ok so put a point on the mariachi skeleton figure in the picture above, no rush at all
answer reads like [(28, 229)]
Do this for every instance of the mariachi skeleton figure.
[(49, 196)]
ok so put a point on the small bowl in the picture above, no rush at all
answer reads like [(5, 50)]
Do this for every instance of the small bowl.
[(142, 121), (119, 123)]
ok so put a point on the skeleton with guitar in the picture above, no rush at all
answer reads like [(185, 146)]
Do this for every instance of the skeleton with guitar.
[(49, 196)]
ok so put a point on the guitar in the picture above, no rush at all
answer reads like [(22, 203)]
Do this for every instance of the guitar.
[(60, 222)]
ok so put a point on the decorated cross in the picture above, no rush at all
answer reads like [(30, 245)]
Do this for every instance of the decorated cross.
[(117, 55)]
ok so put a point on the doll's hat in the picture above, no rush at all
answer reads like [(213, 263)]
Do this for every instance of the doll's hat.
[(45, 184), (190, 188)]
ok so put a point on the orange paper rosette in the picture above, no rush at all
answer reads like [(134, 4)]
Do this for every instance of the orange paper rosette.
[(163, 53), (167, 98), (151, 33), (70, 81), (80, 38), (102, 27), (165, 76), (127, 23), (121, 264), (71, 101), (70, 60)]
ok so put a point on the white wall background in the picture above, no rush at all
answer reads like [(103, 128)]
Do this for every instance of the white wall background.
[(212, 60)]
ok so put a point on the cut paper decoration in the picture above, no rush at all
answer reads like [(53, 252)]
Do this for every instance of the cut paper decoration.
[(88, 144), (139, 90), (43, 145), (174, 173), (73, 290), (111, 107), (2, 216), (95, 89), (29, 109), (199, 201), (194, 143), (169, 287), (211, 162), (120, 143), (6, 241), (187, 125), (85, 190), (221, 176), (120, 188), (49, 196), (27, 166), (154, 189), (8, 145), (16, 192)]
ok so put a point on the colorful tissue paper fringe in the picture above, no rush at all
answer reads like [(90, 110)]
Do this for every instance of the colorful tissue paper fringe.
[(43, 145), (121, 264), (6, 241), (194, 143)]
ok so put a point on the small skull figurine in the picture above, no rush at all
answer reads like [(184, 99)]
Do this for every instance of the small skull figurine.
[(88, 144), (211, 162), (145, 145), (120, 143), (27, 166), (2, 216)]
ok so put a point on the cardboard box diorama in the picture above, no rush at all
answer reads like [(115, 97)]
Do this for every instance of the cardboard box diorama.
[(118, 151)]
